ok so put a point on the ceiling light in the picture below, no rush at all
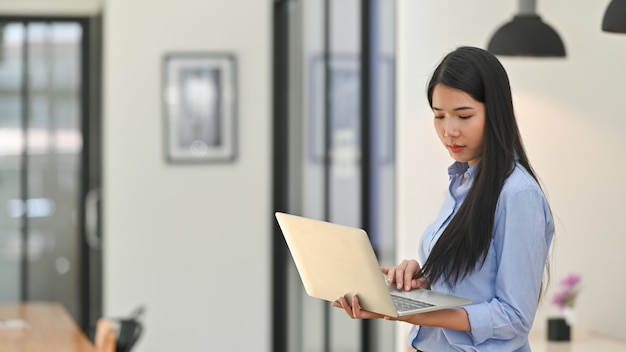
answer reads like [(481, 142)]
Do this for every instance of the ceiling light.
[(615, 17), (527, 35)]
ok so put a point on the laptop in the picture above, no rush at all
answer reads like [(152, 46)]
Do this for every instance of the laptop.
[(335, 260)]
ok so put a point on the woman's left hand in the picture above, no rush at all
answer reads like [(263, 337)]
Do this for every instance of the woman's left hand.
[(354, 310), (453, 318)]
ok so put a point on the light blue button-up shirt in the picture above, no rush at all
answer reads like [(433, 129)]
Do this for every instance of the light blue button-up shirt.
[(505, 290)]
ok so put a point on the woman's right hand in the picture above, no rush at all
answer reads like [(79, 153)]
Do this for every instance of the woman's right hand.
[(407, 275)]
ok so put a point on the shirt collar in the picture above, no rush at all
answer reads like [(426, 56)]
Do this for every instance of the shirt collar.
[(459, 168)]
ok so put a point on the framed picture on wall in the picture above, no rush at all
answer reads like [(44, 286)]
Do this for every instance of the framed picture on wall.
[(199, 102)]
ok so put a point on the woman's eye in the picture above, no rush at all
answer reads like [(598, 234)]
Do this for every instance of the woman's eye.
[(465, 117), (439, 116)]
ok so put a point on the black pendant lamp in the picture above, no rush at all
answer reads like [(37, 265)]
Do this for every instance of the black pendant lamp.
[(615, 17), (527, 35)]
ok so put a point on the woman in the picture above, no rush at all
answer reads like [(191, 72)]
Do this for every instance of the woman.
[(491, 239)]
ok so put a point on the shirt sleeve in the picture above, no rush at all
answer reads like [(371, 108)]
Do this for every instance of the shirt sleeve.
[(521, 241)]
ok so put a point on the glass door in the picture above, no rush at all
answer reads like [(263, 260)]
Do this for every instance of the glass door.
[(42, 126), (334, 152)]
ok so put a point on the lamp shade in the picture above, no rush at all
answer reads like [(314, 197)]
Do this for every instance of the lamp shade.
[(526, 35), (615, 17)]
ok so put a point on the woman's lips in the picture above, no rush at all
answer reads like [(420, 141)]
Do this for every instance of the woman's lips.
[(456, 148)]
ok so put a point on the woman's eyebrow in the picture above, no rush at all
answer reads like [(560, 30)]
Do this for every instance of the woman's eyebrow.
[(460, 108)]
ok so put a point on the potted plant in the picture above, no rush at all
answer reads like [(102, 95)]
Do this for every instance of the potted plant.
[(564, 299)]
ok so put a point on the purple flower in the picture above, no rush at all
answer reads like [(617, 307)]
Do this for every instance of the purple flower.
[(571, 280), (559, 298), (566, 297)]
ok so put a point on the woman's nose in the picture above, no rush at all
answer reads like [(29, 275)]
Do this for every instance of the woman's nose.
[(450, 129)]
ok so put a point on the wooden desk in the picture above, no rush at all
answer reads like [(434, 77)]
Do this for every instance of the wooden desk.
[(48, 327)]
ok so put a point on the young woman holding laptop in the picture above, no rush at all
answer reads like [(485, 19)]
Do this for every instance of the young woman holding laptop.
[(491, 239)]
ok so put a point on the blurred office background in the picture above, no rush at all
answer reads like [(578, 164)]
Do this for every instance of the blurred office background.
[(332, 122)]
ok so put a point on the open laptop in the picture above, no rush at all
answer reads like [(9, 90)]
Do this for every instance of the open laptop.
[(335, 260)]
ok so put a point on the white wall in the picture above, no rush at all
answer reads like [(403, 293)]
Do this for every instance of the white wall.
[(572, 120), (187, 240)]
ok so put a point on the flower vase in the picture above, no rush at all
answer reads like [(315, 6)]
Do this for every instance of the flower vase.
[(559, 329)]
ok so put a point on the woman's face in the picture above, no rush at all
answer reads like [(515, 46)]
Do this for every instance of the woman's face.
[(460, 123)]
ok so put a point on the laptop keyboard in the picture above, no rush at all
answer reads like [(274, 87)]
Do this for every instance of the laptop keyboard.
[(405, 304)]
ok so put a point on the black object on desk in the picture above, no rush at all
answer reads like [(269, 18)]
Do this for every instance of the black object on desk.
[(558, 330)]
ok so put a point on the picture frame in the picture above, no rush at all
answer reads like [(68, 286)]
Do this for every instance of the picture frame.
[(199, 103)]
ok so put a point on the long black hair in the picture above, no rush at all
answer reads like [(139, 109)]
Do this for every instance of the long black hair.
[(463, 245)]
